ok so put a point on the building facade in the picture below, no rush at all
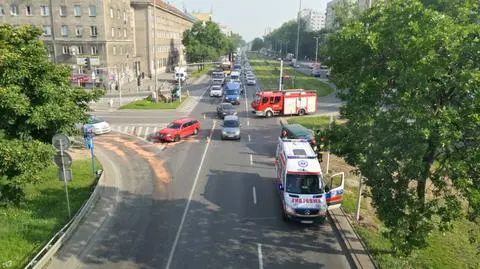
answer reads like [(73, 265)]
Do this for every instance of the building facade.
[(225, 29), (112, 38), (202, 16), (365, 4), (90, 36), (314, 19), (158, 35)]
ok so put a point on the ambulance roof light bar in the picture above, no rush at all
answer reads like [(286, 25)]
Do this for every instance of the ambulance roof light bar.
[(292, 140)]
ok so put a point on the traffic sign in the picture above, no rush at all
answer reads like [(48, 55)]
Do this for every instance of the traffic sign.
[(66, 175), (65, 160), (61, 142)]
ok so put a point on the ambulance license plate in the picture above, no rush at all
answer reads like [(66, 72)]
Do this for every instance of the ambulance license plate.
[(306, 221)]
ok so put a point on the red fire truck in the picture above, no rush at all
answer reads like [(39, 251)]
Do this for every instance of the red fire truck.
[(287, 102)]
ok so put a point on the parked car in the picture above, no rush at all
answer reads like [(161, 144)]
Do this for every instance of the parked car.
[(231, 127), (298, 131), (225, 109), (99, 125), (179, 129)]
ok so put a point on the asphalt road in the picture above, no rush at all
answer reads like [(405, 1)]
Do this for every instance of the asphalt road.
[(202, 203)]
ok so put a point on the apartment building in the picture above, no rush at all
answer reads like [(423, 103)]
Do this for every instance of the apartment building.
[(314, 19), (158, 35), (88, 35), (113, 38)]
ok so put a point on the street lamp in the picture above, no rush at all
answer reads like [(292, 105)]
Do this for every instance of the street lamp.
[(316, 50)]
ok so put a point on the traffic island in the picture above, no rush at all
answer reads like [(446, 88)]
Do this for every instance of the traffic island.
[(149, 104), (28, 227)]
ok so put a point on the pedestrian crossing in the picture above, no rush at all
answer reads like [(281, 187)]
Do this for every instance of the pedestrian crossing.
[(144, 131)]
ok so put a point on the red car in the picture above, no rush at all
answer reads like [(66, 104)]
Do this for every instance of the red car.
[(178, 129)]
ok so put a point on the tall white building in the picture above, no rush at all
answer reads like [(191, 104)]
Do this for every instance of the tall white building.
[(314, 19), (365, 4)]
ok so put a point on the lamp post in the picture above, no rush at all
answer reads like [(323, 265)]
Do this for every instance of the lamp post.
[(298, 40), (316, 50)]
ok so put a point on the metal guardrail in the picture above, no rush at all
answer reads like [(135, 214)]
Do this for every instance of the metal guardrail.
[(46, 253)]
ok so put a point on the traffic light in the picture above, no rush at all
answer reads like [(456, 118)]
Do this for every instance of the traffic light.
[(139, 82), (87, 63), (117, 88), (283, 79)]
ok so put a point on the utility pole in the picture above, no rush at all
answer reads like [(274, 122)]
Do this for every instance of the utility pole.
[(316, 51), (155, 50), (281, 75), (298, 40)]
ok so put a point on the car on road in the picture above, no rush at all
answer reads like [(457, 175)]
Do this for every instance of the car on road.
[(225, 109), (325, 70), (298, 131), (179, 129), (316, 72), (216, 90), (232, 92), (99, 125), (231, 127), (251, 80)]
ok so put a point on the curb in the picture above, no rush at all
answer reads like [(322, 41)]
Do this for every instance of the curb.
[(50, 249)]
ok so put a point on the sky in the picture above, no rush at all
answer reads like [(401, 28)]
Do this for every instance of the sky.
[(250, 18)]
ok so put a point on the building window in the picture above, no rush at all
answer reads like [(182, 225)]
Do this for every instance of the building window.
[(28, 11), (119, 14), (111, 12), (93, 30), (119, 32), (77, 11), (80, 50), (64, 30), (124, 16), (113, 32), (114, 50), (63, 11), (2, 11), (47, 30), (125, 33), (14, 10), (79, 30), (92, 10), (94, 50), (44, 11), (65, 49)]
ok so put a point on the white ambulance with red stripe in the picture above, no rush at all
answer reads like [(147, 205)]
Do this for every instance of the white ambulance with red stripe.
[(304, 195)]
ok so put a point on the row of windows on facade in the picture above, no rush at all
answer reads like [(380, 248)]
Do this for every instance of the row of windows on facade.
[(80, 50), (47, 31), (63, 11), (160, 63)]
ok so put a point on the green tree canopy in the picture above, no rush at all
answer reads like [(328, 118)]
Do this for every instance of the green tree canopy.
[(36, 102), (205, 42), (257, 44), (413, 112)]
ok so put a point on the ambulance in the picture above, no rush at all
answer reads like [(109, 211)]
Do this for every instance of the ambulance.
[(304, 194)]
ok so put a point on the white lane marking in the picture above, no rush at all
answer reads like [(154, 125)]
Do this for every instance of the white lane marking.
[(187, 206), (251, 159), (249, 138), (139, 131), (155, 130), (147, 129), (254, 195), (248, 122), (260, 256)]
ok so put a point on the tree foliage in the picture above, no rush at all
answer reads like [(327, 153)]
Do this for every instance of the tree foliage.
[(412, 110), (36, 102), (257, 44), (206, 42)]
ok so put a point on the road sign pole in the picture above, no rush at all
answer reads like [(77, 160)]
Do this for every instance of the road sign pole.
[(65, 180), (359, 198), (93, 157)]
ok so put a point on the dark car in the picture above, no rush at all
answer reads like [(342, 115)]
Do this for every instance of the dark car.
[(298, 131), (225, 109)]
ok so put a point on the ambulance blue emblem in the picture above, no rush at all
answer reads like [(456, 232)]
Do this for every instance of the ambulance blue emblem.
[(302, 163)]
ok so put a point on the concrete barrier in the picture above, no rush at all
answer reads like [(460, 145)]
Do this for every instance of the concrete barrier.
[(50, 249)]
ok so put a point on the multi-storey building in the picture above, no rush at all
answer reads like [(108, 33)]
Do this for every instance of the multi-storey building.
[(365, 4), (159, 34), (113, 38), (314, 19), (203, 16), (95, 35)]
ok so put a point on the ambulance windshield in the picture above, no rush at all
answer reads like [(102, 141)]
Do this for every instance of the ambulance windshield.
[(303, 184)]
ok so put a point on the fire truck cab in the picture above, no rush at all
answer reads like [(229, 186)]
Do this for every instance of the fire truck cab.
[(304, 194), (287, 102)]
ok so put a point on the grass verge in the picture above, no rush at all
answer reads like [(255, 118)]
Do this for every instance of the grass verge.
[(268, 71), (446, 250), (146, 104), (25, 229), (199, 73)]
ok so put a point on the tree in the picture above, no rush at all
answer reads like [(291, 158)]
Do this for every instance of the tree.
[(205, 42), (257, 44), (37, 101), (236, 40), (411, 105)]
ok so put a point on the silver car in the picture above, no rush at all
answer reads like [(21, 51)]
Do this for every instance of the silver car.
[(231, 127)]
